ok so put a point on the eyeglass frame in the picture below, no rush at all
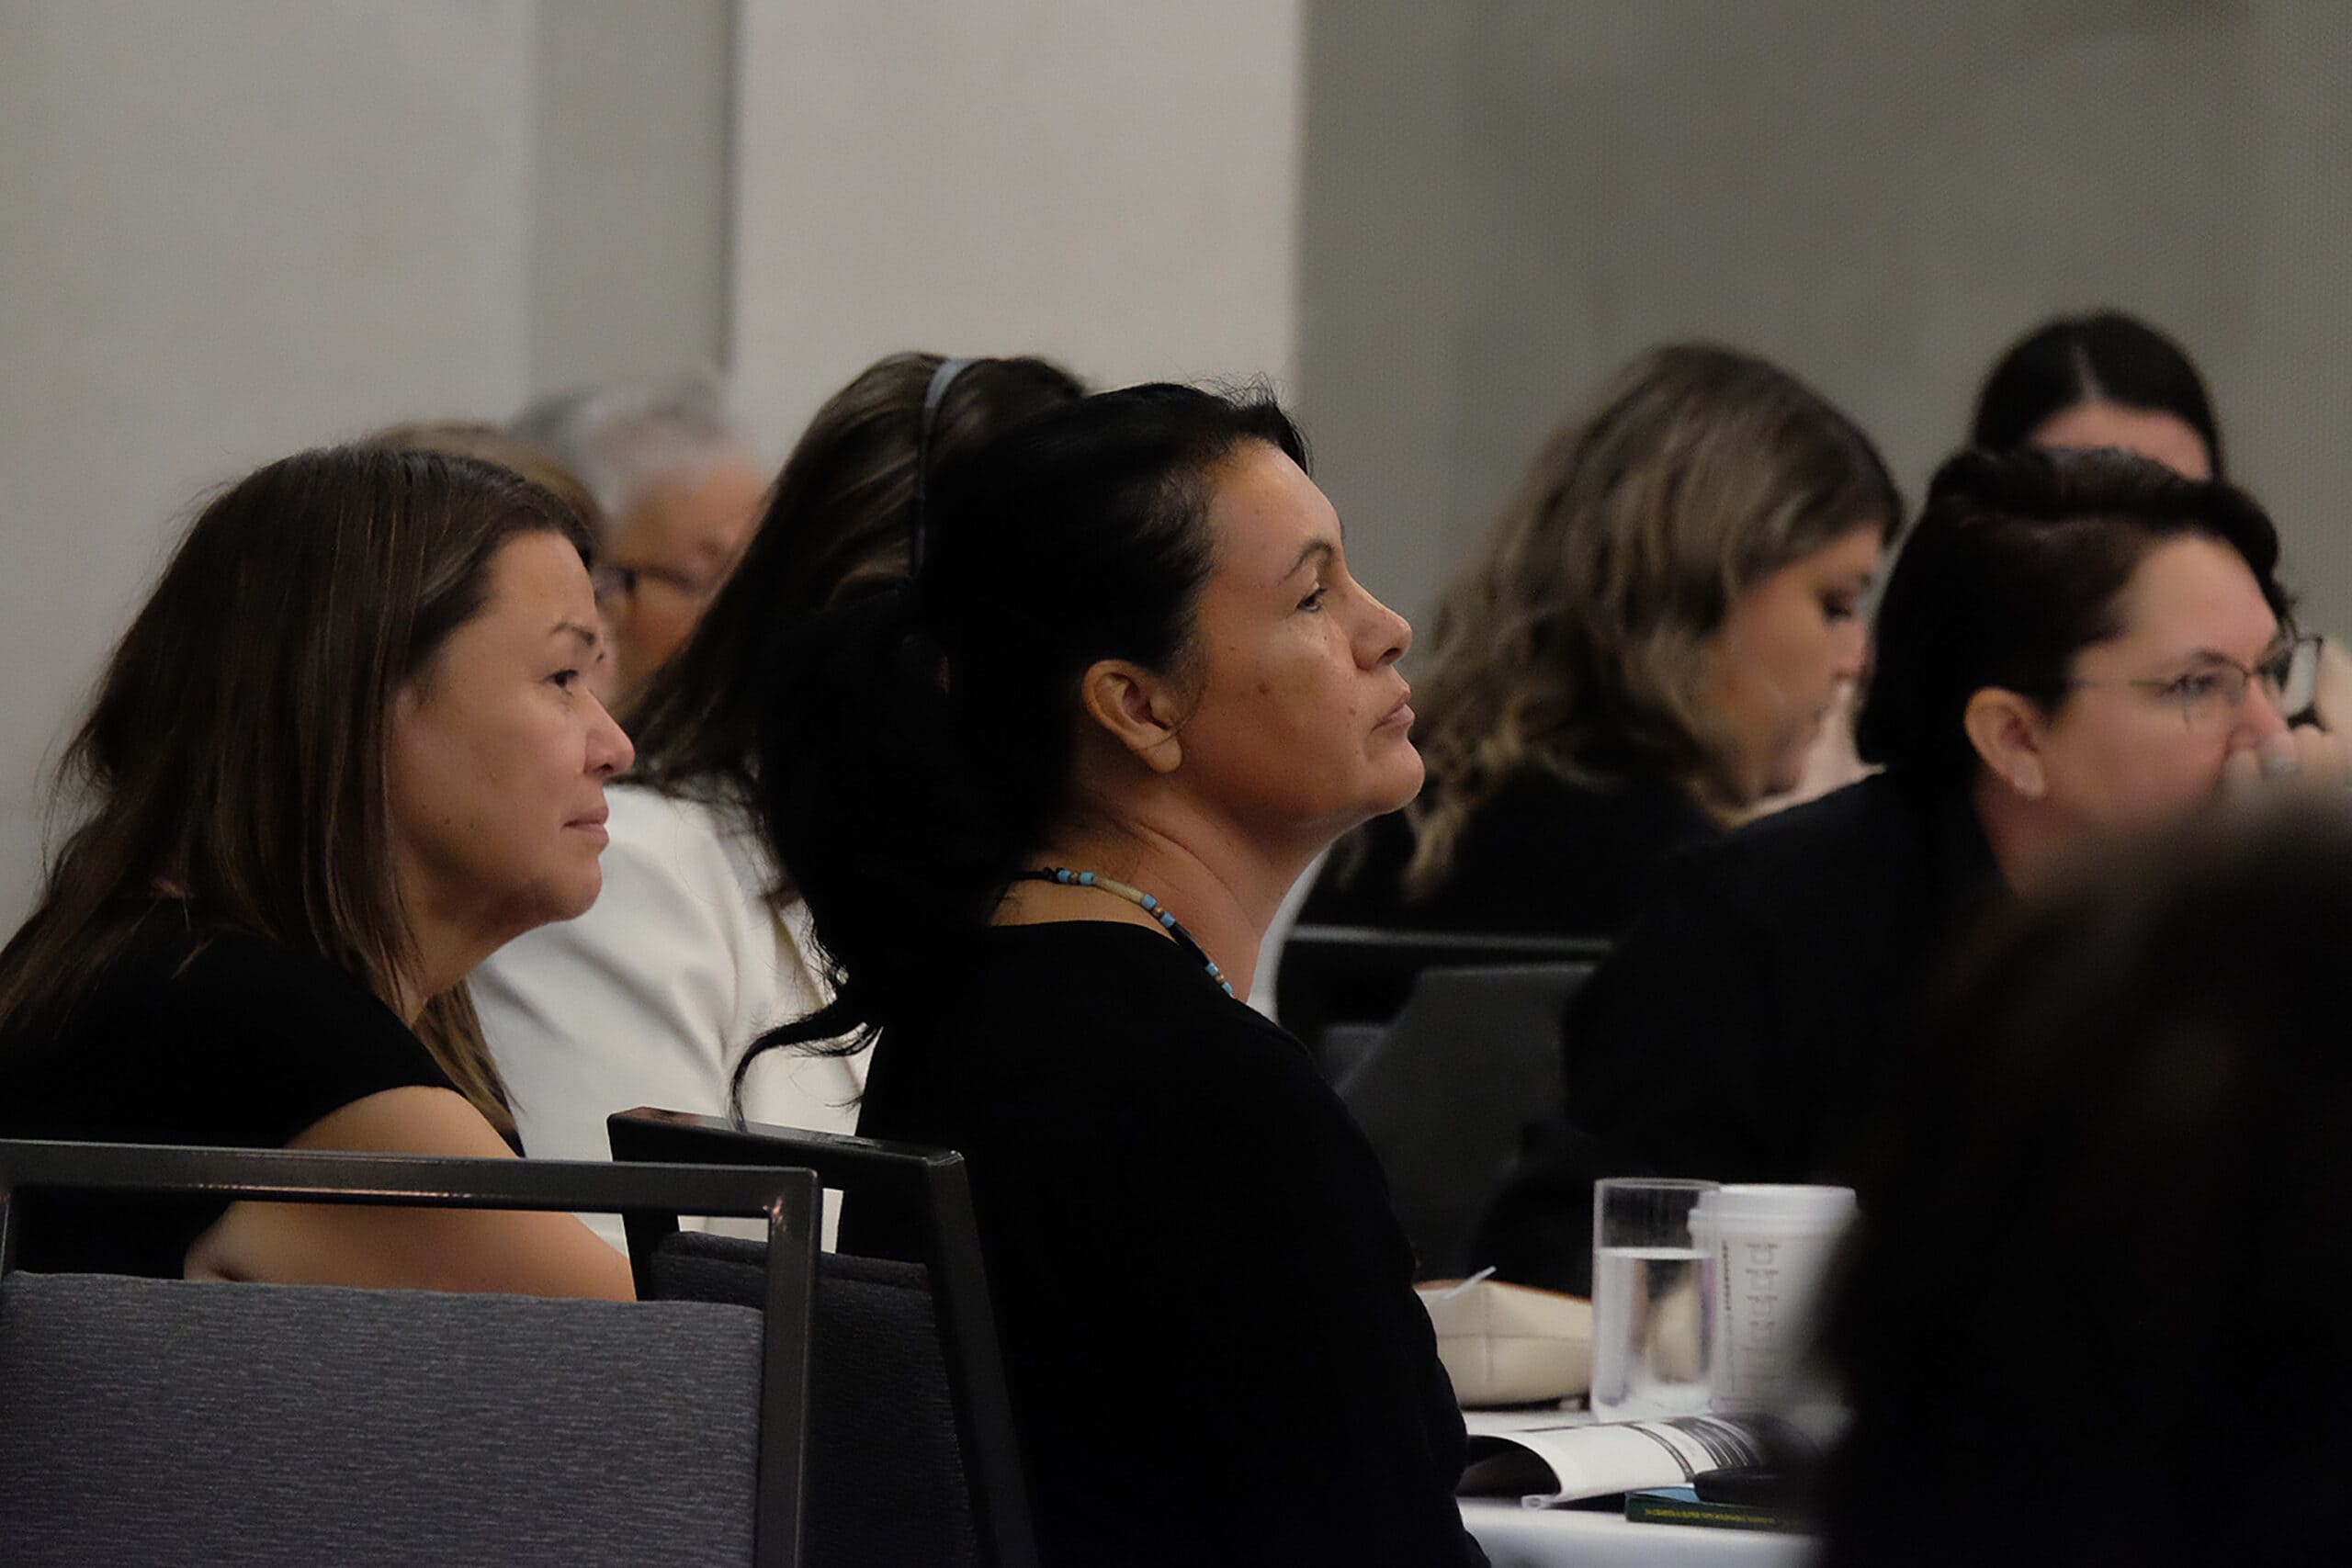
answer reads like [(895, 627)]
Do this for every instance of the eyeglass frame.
[(2220, 669), (608, 578)]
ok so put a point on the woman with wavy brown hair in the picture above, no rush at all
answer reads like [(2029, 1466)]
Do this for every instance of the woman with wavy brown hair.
[(1653, 634)]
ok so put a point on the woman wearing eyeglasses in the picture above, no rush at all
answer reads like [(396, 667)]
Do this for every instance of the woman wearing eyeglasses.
[(2110, 379), (678, 486), (2072, 646)]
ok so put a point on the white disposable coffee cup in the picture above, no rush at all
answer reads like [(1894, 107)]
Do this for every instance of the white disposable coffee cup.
[(1768, 1249)]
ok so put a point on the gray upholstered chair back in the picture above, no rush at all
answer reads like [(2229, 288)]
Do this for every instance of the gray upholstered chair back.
[(159, 1421), (903, 1206), (1444, 1089), (886, 1485)]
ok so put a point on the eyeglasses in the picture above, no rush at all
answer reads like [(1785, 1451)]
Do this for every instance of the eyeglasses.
[(2289, 678), (618, 579)]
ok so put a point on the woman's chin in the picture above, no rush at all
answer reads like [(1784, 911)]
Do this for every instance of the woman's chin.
[(1410, 774)]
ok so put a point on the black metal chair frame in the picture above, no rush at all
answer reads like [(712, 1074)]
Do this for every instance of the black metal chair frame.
[(1321, 966), (915, 1203), (1464, 948), (791, 1201)]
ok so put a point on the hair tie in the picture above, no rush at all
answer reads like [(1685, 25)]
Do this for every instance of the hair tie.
[(919, 529)]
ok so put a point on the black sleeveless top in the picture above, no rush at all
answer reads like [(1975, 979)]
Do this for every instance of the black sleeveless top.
[(216, 1038)]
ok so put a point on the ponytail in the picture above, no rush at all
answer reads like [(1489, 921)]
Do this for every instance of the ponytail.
[(919, 746), (898, 825)]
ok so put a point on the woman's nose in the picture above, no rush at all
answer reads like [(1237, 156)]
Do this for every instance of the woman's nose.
[(1386, 636), (2258, 717), (609, 749), (1852, 651)]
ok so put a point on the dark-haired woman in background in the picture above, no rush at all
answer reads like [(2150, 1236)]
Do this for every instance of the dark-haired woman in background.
[(345, 751), (1650, 642), (2110, 379), (2102, 380), (2130, 1122), (699, 944), (1130, 681), (2072, 646)]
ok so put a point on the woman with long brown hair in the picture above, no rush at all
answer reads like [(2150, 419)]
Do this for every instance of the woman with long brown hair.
[(1651, 637), (343, 753)]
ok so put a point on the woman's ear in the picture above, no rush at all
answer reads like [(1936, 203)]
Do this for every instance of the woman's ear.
[(2006, 731), (1138, 708)]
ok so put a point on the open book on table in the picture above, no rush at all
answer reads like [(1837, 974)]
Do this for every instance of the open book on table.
[(1567, 1457)]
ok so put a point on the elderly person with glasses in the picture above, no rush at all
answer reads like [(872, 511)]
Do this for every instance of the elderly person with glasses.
[(679, 488)]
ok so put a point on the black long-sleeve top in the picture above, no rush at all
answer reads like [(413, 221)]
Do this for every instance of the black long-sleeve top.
[(1211, 1337), (1545, 856), (1748, 1022)]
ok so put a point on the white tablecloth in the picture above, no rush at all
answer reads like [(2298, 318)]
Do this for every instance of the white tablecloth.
[(1516, 1536)]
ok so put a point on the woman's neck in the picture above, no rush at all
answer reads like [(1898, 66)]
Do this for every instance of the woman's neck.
[(1221, 897), (441, 953), (422, 977), (2026, 843)]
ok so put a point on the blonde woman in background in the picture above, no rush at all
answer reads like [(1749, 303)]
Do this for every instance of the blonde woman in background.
[(1651, 639)]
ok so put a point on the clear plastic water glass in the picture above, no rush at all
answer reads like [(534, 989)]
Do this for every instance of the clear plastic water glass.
[(1651, 1325)]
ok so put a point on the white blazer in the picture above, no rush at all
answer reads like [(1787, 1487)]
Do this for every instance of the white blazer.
[(651, 997)]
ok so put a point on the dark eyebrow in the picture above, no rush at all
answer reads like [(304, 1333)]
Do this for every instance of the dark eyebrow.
[(2271, 649), (1321, 549), (588, 636)]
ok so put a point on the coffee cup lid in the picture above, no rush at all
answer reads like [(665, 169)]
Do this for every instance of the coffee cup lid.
[(1777, 1207)]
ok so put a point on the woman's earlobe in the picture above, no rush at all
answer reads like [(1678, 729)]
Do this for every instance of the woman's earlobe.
[(1131, 705), (2005, 729)]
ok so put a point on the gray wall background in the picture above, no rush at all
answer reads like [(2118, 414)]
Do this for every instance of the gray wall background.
[(1503, 200), (1114, 185), (232, 229)]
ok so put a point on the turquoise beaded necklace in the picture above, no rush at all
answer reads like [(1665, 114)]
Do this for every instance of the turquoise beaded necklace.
[(1141, 900)]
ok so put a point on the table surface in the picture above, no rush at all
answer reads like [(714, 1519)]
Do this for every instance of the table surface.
[(1517, 1537), (1520, 1536)]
